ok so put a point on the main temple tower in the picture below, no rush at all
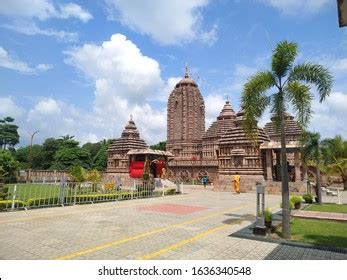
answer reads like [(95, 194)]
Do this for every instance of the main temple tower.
[(185, 119)]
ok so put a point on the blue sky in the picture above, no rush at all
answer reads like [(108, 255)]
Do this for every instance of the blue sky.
[(82, 67)]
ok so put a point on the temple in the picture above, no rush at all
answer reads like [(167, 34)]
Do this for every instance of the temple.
[(118, 162), (219, 152)]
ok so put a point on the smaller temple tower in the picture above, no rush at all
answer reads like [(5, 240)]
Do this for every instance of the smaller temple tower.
[(117, 152)]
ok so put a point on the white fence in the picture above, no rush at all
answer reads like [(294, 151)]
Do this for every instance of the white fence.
[(26, 196)]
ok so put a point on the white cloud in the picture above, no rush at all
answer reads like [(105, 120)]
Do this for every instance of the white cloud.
[(45, 107), (74, 10), (210, 37), (22, 67), (30, 28), (118, 68), (125, 82), (55, 118), (330, 116), (340, 65), (168, 22), (9, 108), (292, 7), (42, 10)]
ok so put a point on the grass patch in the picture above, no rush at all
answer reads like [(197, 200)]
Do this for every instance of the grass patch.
[(328, 207), (28, 191), (323, 232)]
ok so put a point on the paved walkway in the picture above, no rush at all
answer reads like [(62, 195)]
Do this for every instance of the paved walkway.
[(319, 215), (196, 225)]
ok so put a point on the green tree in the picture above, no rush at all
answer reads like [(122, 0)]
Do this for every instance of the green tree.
[(78, 173), (93, 148), (98, 153), (65, 152), (291, 85), (38, 157), (311, 156), (9, 136), (95, 177), (160, 146), (334, 153), (100, 160), (66, 157), (49, 147), (8, 164)]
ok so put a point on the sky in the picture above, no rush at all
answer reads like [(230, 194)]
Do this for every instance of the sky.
[(83, 67)]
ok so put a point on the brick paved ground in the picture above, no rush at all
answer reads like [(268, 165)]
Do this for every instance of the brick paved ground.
[(199, 228)]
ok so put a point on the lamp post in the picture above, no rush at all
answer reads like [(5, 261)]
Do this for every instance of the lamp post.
[(30, 154)]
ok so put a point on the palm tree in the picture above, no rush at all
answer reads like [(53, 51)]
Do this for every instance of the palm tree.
[(335, 157), (292, 86), (311, 155)]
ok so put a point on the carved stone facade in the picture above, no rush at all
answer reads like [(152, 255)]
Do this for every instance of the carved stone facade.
[(223, 150), (220, 152)]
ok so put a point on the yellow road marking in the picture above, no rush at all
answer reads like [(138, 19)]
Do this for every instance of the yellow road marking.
[(158, 230), (50, 215), (189, 240), (182, 243)]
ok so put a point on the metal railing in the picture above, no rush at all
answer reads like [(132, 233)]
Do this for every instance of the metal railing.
[(36, 195)]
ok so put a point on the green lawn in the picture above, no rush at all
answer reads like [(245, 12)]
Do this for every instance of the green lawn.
[(322, 232), (328, 207), (27, 191)]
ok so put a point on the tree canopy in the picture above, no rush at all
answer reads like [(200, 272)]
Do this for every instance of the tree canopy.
[(160, 146), (9, 136)]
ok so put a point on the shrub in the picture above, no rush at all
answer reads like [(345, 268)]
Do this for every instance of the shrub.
[(170, 192), (308, 197), (42, 201), (267, 215), (291, 205), (296, 199), (8, 204)]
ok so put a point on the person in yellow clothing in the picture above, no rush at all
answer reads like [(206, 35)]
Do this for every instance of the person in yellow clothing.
[(237, 183)]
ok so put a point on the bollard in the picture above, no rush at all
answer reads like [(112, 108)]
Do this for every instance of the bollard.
[(259, 225), (14, 197), (338, 197)]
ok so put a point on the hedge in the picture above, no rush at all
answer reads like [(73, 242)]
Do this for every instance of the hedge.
[(80, 198), (8, 203)]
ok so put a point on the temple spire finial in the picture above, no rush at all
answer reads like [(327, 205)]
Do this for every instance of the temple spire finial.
[(187, 71), (131, 117), (226, 96)]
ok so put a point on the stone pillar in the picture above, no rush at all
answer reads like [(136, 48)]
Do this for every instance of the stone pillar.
[(269, 165), (297, 166)]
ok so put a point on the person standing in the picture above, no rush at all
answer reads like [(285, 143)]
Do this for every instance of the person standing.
[(237, 183), (204, 181)]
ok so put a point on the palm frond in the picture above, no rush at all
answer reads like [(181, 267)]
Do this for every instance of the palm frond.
[(310, 143), (283, 58), (313, 73), (300, 97), (254, 101)]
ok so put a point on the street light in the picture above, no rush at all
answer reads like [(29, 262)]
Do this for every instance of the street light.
[(30, 154)]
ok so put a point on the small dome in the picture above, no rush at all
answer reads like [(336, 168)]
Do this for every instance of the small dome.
[(186, 80), (224, 121), (227, 112), (130, 130)]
